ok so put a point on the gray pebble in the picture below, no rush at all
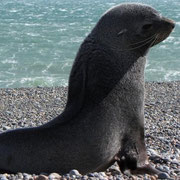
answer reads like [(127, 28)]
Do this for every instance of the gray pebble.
[(35, 106), (163, 175), (91, 175), (100, 177), (175, 162), (166, 168), (74, 172), (2, 177), (28, 177), (84, 177), (41, 177), (102, 174), (5, 128), (92, 178), (177, 171), (153, 152), (54, 176), (118, 177)]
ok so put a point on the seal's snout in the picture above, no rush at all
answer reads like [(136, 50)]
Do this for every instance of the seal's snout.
[(168, 22), (165, 26), (171, 23)]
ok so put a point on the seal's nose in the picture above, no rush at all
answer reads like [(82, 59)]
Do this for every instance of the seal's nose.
[(173, 25), (168, 22)]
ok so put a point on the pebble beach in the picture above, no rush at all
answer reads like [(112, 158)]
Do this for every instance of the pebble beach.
[(29, 107)]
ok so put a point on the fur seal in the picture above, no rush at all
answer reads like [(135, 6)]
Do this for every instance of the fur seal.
[(103, 120)]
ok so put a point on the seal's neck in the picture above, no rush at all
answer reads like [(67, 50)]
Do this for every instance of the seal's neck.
[(111, 68)]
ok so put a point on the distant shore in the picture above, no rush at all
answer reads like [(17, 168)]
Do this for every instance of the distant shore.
[(26, 107)]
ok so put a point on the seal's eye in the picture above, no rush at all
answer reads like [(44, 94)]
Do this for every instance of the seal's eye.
[(147, 27)]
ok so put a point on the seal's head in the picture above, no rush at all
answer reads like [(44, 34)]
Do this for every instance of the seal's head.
[(133, 27)]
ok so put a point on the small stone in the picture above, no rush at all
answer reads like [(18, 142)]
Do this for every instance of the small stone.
[(102, 174), (153, 152), (54, 176), (163, 176), (20, 175), (84, 177), (177, 171), (91, 175), (2, 177), (27, 176), (153, 178), (74, 176), (101, 177), (93, 178), (43, 173), (12, 177), (67, 176), (133, 177), (7, 175), (119, 177), (166, 168), (96, 174), (74, 172), (114, 168), (41, 177), (110, 177), (5, 128), (175, 162)]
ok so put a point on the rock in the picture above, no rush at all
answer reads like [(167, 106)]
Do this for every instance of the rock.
[(114, 168), (102, 174), (91, 175), (41, 177), (20, 175), (85, 177), (153, 177), (175, 162), (2, 177), (163, 176), (119, 177), (166, 168), (153, 152), (101, 177), (134, 177), (5, 128), (74, 172), (27, 176), (54, 176), (177, 171), (92, 178)]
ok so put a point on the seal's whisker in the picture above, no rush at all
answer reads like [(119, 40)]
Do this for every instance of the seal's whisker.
[(143, 40), (154, 41), (148, 41)]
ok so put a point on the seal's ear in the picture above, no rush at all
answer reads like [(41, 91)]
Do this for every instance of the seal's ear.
[(121, 32)]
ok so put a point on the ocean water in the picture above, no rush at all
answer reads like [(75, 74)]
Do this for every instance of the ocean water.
[(39, 40)]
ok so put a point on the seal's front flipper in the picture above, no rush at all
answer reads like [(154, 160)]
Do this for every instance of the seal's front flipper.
[(146, 169), (131, 164), (133, 156)]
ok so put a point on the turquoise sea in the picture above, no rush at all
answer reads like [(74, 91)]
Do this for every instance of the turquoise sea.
[(39, 40)]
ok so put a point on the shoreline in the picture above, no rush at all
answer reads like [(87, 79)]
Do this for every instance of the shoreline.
[(27, 107), (49, 87)]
